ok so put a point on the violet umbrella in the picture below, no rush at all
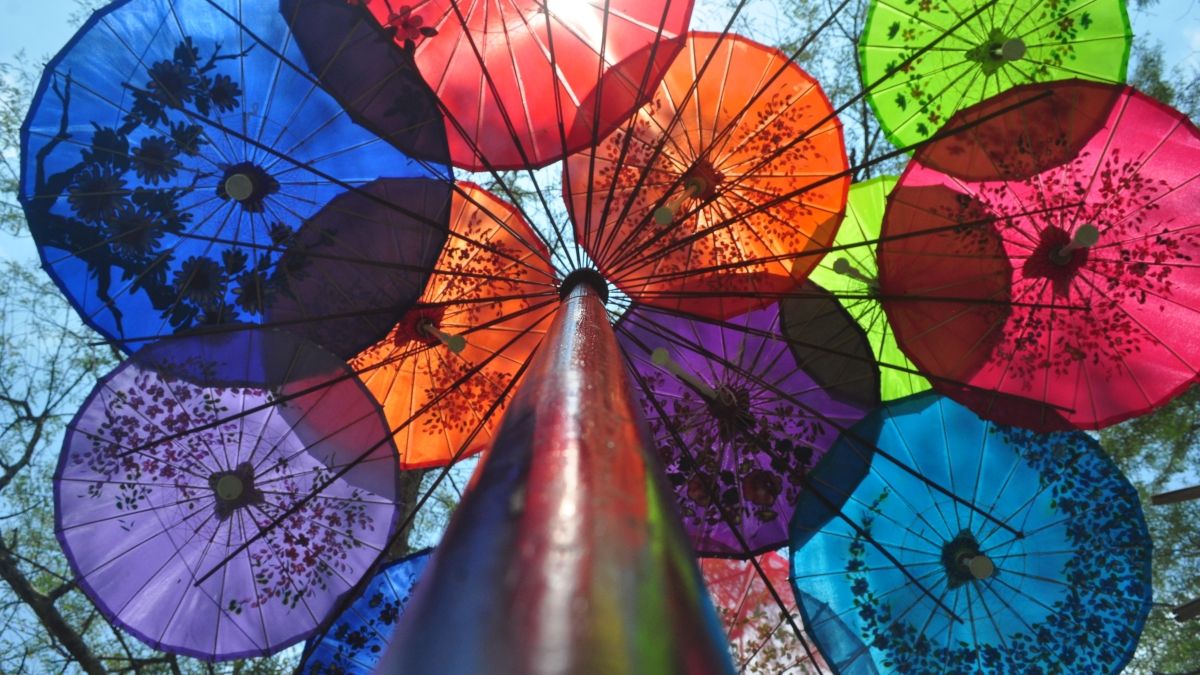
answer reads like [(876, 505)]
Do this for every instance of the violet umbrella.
[(737, 422), (218, 494)]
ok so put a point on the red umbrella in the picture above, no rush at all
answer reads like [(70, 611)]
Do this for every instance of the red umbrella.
[(1100, 317), (525, 82)]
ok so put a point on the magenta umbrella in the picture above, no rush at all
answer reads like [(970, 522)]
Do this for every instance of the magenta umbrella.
[(1090, 315), (217, 494)]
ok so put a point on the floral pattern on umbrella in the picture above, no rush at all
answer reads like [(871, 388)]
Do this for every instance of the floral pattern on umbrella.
[(1069, 592), (737, 423), (248, 478), (981, 49), (446, 366), (170, 158), (1104, 288), (692, 206), (354, 642)]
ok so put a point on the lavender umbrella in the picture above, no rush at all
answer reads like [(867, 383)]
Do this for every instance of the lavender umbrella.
[(217, 494), (737, 422)]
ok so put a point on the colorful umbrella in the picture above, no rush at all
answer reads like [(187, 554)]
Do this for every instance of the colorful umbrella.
[(447, 362), (719, 190), (759, 635), (983, 48), (850, 274), (355, 641), (1101, 304), (522, 82), (737, 423), (1059, 581), (171, 156), (217, 494)]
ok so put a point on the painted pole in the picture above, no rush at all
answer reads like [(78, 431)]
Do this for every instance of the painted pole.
[(566, 554)]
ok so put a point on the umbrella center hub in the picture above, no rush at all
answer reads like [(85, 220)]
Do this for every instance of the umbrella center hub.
[(964, 562), (996, 51), (247, 184), (1058, 256), (234, 489), (415, 325), (701, 181), (730, 406)]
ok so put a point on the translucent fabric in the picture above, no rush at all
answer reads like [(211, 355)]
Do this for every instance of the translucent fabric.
[(172, 154), (1079, 297), (217, 495), (723, 191), (1036, 558)]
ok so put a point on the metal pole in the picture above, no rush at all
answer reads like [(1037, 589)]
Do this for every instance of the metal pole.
[(566, 554)]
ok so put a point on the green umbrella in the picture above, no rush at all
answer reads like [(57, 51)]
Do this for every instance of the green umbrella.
[(849, 274), (1008, 42)]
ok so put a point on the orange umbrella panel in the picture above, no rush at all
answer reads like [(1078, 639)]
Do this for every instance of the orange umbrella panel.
[(443, 371)]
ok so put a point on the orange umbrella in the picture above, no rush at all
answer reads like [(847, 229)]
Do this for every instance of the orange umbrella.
[(733, 171), (441, 370)]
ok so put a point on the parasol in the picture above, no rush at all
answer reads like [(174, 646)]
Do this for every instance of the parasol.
[(1100, 311), (174, 150), (354, 642), (737, 423), (708, 199), (447, 360), (1061, 583), (522, 82), (759, 636), (849, 273), (253, 453), (983, 48)]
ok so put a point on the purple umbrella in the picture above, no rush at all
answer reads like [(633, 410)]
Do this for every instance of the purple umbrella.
[(217, 494), (736, 421)]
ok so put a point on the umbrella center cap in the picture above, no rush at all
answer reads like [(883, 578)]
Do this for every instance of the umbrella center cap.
[(229, 487), (702, 179), (247, 184), (1012, 49), (731, 408), (964, 562), (234, 489)]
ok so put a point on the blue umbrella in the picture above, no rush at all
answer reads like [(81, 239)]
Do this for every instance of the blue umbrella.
[(1055, 577), (355, 641), (170, 159)]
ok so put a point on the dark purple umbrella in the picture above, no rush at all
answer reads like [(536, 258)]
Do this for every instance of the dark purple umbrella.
[(217, 494), (736, 421)]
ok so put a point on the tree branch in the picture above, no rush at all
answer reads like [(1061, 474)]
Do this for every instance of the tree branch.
[(47, 613)]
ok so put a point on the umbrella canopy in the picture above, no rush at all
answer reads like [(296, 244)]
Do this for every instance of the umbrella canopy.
[(1053, 576), (719, 191), (759, 635), (217, 494), (172, 154), (354, 642), (850, 274), (737, 423), (522, 82), (1101, 301), (969, 50), (446, 365)]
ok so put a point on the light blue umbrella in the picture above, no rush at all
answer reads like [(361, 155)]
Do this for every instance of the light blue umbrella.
[(1040, 562)]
